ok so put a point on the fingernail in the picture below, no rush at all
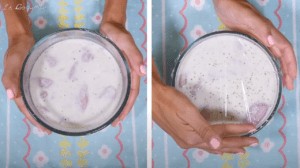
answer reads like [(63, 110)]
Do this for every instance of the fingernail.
[(252, 130), (143, 69), (10, 94), (271, 40), (214, 143), (254, 144)]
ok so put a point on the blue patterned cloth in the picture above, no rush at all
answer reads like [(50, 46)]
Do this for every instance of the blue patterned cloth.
[(279, 140), (123, 146)]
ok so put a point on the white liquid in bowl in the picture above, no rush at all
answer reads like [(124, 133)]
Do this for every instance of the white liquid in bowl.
[(76, 84), (230, 78)]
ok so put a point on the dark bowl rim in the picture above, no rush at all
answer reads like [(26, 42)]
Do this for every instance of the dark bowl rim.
[(270, 55), (82, 133)]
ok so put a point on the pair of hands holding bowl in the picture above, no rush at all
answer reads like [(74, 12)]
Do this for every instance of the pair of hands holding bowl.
[(21, 40)]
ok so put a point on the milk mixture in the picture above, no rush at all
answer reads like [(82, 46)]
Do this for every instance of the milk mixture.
[(76, 83), (230, 79)]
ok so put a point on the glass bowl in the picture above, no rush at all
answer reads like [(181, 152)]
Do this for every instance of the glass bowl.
[(75, 82), (231, 78)]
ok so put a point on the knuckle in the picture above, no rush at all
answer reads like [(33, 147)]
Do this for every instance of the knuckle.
[(204, 131), (5, 80), (191, 140)]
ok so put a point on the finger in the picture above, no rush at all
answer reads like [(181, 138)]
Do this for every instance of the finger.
[(284, 73), (277, 43), (226, 130), (286, 65), (116, 122), (239, 151), (283, 50), (11, 74), (134, 91), (290, 60), (11, 84), (19, 102), (288, 54), (233, 142), (263, 35), (134, 57), (289, 63), (216, 152), (289, 82), (239, 142), (200, 125)]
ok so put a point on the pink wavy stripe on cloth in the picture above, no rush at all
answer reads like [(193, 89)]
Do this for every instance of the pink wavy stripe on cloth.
[(282, 133), (30, 7), (152, 152), (121, 146), (184, 26), (152, 148), (26, 142), (283, 99), (187, 158), (184, 47), (143, 25), (277, 14)]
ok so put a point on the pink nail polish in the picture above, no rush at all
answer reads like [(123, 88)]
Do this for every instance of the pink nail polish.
[(271, 40), (214, 143), (10, 94), (254, 144), (143, 69)]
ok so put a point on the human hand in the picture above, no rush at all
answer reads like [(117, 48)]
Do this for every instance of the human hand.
[(177, 116), (123, 39), (18, 49), (240, 15)]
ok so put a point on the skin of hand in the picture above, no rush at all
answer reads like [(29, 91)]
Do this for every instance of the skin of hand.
[(177, 116), (240, 15), (20, 41), (113, 26)]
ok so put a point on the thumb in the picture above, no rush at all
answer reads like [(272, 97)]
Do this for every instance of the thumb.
[(209, 136), (194, 118), (134, 57), (11, 84)]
